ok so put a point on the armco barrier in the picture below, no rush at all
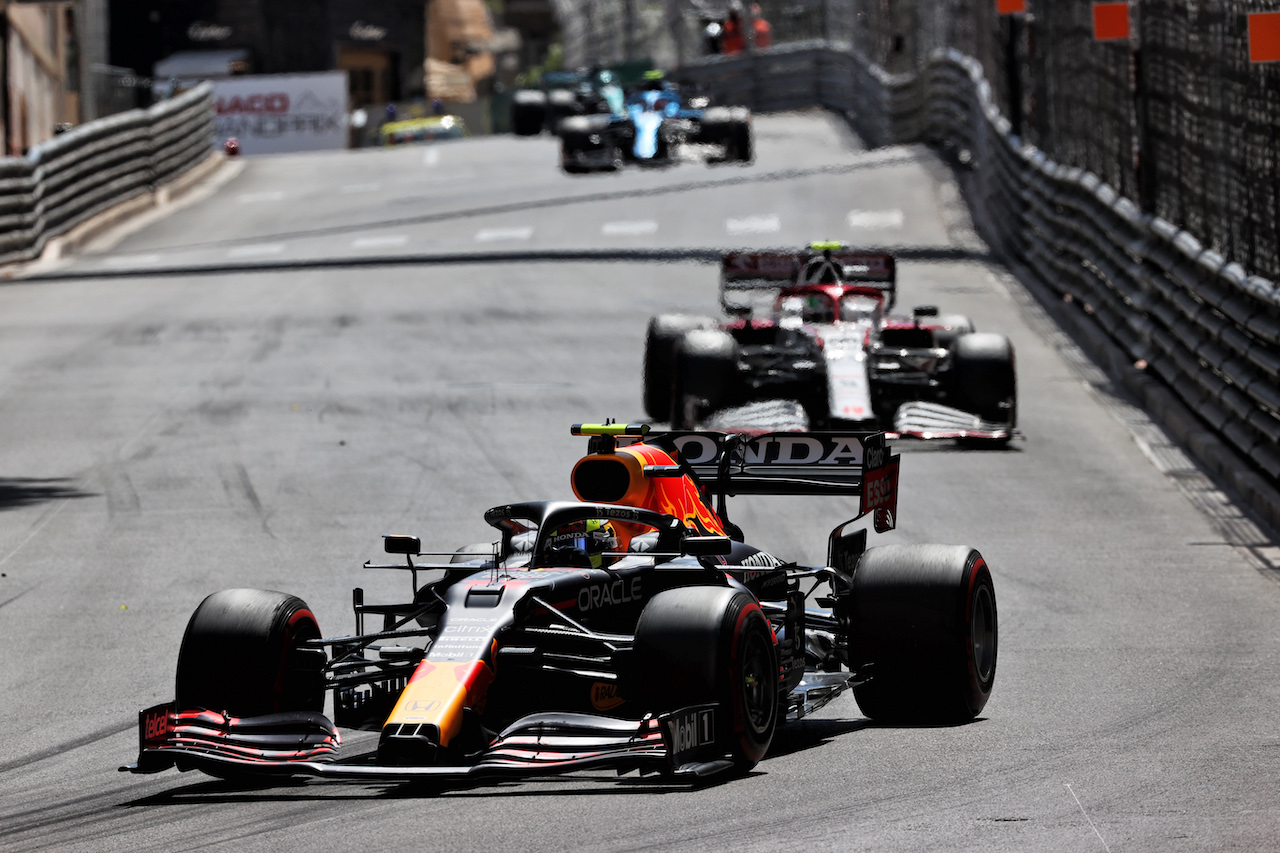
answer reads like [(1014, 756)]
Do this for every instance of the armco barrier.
[(1208, 330), (81, 173)]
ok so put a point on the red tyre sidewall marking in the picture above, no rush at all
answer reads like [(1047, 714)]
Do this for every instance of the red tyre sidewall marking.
[(290, 630), (971, 663), (751, 750)]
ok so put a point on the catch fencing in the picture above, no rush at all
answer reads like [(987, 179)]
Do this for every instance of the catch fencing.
[(1195, 318), (1176, 117), (89, 169)]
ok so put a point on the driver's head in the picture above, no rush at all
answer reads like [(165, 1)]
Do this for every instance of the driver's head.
[(583, 543)]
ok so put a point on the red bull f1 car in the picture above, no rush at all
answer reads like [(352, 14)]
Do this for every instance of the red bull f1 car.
[(815, 327), (632, 628)]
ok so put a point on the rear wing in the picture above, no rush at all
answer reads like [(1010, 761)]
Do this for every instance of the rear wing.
[(744, 272), (788, 463)]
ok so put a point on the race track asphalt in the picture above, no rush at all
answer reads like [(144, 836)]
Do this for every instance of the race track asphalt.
[(250, 390)]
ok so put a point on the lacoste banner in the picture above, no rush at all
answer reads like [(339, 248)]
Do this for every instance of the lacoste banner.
[(279, 113)]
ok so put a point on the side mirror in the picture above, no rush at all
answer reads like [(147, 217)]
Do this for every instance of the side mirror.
[(402, 545), (926, 311), (707, 546)]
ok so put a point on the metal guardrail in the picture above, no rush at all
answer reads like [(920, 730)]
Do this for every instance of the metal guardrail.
[(79, 174), (1198, 321)]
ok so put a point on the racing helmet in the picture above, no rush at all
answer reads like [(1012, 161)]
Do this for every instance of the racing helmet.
[(582, 543), (654, 80)]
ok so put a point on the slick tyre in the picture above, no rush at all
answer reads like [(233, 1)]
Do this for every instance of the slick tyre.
[(983, 377), (573, 142), (702, 644), (925, 620), (742, 145), (242, 655), (577, 128), (569, 162), (705, 375), (561, 104), (587, 135), (729, 127), (528, 112), (665, 331), (715, 126), (477, 551), (951, 327)]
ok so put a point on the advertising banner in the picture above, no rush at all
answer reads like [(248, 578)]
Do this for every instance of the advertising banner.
[(280, 113)]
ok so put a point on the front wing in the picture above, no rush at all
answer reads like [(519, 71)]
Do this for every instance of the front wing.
[(924, 420), (681, 744)]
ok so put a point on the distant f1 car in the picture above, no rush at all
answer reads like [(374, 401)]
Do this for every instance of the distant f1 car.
[(828, 342), (427, 129), (653, 128), (562, 94), (630, 629)]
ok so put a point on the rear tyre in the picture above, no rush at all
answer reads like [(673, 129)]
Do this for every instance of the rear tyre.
[(614, 162), (740, 146), (561, 104), (925, 619), (702, 644), (816, 401), (951, 327), (528, 112), (731, 128), (665, 331), (983, 379), (714, 126), (705, 375), (477, 551), (743, 149), (242, 655)]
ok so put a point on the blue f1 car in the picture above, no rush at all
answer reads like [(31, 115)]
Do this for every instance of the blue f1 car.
[(656, 123)]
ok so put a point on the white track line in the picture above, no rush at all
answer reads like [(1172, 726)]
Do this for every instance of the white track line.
[(494, 235), (258, 198), (1086, 817), (381, 242), (875, 218), (753, 224), (633, 228), (130, 260), (255, 250), (39, 525)]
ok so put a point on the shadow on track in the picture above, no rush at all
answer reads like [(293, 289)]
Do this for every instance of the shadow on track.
[(751, 178), (791, 739), (661, 256)]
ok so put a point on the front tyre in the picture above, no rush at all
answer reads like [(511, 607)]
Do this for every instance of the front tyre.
[(740, 142), (699, 645), (704, 377), (924, 618), (243, 655), (664, 333), (983, 377)]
